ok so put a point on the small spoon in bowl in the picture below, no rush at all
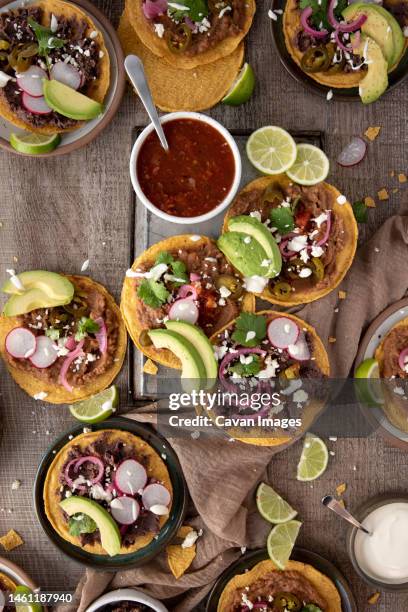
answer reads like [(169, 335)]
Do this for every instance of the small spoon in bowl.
[(337, 508), (136, 73)]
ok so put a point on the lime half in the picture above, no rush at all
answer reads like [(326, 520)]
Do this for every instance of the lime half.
[(310, 167), (97, 408), (368, 382), (281, 541), (34, 144), (22, 597), (271, 150), (242, 88), (272, 507), (313, 460)]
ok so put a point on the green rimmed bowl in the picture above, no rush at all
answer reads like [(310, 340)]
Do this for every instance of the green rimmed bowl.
[(167, 533)]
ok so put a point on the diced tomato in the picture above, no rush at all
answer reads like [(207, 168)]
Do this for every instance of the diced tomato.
[(302, 218)]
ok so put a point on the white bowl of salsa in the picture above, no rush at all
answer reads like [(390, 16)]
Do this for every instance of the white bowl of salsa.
[(196, 179)]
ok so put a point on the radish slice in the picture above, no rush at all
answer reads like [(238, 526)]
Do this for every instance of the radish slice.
[(21, 343), (155, 495), (159, 510), (37, 106), (125, 510), (184, 310), (403, 359), (45, 354), (130, 477), (300, 350), (353, 153), (30, 81), (67, 74), (283, 332)]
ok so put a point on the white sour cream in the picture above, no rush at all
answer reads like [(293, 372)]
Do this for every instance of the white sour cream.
[(384, 554)]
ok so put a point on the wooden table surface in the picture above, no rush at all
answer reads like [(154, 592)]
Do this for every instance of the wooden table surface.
[(57, 213)]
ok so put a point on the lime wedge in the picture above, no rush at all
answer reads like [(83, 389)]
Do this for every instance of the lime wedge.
[(242, 88), (272, 507), (368, 383), (313, 460), (97, 408), (281, 541), (271, 150), (22, 600), (34, 144), (310, 167)]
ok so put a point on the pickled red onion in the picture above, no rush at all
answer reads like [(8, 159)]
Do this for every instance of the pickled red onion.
[(304, 18), (154, 8), (343, 27), (91, 459), (102, 335), (187, 291), (401, 359), (65, 366), (327, 232)]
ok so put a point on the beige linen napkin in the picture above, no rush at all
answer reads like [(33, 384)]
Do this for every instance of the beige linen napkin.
[(222, 476)]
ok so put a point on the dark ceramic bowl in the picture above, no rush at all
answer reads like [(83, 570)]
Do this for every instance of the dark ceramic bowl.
[(395, 77), (249, 560), (167, 533)]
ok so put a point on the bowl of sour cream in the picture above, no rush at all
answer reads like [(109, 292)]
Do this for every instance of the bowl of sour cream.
[(381, 558)]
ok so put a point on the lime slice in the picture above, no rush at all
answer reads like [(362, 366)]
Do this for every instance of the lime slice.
[(242, 88), (34, 144), (23, 594), (313, 460), (310, 167), (97, 408), (272, 507), (281, 541), (271, 150), (368, 382)]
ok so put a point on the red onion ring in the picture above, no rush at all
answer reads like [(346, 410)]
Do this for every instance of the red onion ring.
[(343, 27), (154, 8), (340, 43), (70, 343), (229, 357), (304, 18), (194, 277), (102, 335), (65, 366), (286, 253), (92, 459), (401, 359), (327, 232), (187, 291)]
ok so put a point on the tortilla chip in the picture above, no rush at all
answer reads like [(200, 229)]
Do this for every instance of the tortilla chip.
[(150, 368), (96, 90), (342, 295), (158, 46), (369, 202), (11, 540), (332, 340), (321, 583), (341, 488), (372, 133), (55, 393), (154, 465), (374, 598), (402, 178), (178, 558), (344, 256), (175, 89), (383, 194)]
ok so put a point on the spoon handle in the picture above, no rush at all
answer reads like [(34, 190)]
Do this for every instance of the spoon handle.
[(136, 73), (338, 509)]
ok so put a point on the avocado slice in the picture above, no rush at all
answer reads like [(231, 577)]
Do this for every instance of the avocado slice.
[(257, 230), (56, 286), (199, 340), (375, 82), (70, 103), (108, 528), (397, 33), (192, 366), (376, 27), (244, 252), (29, 301)]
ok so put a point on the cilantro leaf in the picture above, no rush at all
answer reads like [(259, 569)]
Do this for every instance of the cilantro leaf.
[(282, 219), (178, 268), (164, 257), (153, 293), (360, 212), (86, 326), (45, 37), (81, 523), (247, 369), (319, 15), (196, 10), (248, 322)]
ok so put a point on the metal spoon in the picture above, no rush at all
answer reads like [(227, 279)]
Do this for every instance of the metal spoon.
[(136, 73), (336, 507)]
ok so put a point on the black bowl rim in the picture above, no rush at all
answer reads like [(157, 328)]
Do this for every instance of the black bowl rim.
[(251, 558), (169, 531), (341, 94)]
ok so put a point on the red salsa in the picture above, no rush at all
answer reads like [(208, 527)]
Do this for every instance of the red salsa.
[(194, 176)]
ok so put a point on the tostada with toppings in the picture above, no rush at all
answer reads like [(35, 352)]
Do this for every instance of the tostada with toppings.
[(344, 44), (108, 492), (298, 588), (392, 358), (54, 67), (183, 278), (192, 32), (61, 336), (266, 352), (293, 244)]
